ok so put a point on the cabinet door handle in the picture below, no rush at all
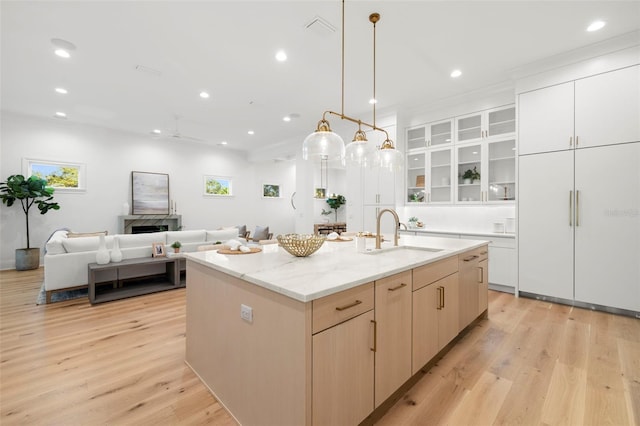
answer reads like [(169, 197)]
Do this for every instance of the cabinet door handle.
[(577, 208), (480, 274), (398, 287), (571, 208), (375, 336), (570, 140), (576, 140), (442, 297), (470, 258), (484, 252), (350, 305), (439, 307)]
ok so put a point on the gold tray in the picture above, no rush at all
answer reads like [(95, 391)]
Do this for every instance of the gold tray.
[(229, 251), (341, 240)]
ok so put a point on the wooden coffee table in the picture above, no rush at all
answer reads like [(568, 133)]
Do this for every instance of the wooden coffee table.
[(134, 277)]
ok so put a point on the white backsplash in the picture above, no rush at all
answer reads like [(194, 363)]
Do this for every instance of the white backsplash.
[(459, 218)]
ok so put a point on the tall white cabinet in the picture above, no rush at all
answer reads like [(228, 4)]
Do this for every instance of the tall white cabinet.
[(579, 190)]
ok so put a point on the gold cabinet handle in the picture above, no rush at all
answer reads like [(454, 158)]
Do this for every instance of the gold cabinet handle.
[(571, 208), (576, 140), (470, 258), (480, 274), (350, 305), (439, 307), (570, 140), (484, 252), (375, 336), (577, 207), (398, 287), (442, 297)]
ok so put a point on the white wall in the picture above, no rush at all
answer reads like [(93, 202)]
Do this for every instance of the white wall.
[(110, 156)]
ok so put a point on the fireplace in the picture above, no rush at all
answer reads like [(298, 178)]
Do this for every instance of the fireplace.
[(142, 223), (145, 229)]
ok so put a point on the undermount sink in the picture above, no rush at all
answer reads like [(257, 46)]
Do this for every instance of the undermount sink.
[(394, 248)]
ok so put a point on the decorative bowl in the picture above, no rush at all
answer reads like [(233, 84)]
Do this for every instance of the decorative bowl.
[(301, 245)]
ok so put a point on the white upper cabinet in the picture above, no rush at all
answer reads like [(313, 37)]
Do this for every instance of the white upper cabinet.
[(612, 98), (486, 124), (546, 119), (433, 134)]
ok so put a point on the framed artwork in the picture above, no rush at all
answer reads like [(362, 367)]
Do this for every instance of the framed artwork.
[(320, 193), (150, 193), (218, 186), (157, 250), (64, 177), (270, 190)]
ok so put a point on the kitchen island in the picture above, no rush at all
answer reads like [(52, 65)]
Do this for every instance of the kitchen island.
[(327, 338)]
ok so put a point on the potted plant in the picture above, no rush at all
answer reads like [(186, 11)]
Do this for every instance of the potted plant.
[(335, 201), (176, 246), (29, 191), (413, 221), (470, 176)]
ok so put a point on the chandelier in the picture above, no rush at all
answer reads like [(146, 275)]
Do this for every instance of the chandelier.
[(324, 143)]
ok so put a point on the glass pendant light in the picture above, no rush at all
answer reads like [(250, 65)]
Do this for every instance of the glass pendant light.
[(387, 157), (323, 143), (359, 151)]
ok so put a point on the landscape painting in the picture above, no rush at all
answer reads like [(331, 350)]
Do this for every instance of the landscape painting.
[(217, 186), (59, 175), (270, 190), (150, 193)]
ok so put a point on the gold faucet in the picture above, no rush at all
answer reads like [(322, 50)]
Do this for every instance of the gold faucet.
[(395, 235)]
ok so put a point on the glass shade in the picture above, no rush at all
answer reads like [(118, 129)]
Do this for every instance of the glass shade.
[(325, 144), (389, 158), (360, 153)]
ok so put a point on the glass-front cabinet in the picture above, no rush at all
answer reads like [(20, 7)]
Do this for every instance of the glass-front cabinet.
[(469, 159), (486, 124), (502, 171)]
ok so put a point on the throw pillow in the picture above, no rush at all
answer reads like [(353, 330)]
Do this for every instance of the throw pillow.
[(86, 234), (242, 230), (261, 233)]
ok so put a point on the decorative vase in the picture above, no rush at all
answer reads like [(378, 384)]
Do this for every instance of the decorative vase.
[(102, 255), (116, 254), (176, 250)]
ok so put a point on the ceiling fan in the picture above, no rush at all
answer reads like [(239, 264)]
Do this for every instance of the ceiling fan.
[(177, 135)]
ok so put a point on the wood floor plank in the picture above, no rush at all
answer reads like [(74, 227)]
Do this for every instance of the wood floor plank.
[(528, 363)]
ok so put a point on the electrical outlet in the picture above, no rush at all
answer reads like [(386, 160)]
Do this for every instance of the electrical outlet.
[(246, 313)]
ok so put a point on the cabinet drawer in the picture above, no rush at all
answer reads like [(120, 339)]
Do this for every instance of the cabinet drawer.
[(427, 274), (336, 308), (474, 256)]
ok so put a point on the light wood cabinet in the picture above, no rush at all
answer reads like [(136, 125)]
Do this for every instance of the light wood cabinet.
[(471, 279), (343, 372), (393, 338), (435, 319)]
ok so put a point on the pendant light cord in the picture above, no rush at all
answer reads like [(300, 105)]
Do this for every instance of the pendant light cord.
[(342, 100), (375, 100)]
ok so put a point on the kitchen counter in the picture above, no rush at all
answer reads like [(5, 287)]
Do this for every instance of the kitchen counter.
[(330, 269), (487, 234)]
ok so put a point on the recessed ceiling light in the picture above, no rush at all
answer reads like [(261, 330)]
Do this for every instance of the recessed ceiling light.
[(223, 143), (62, 53), (251, 132), (60, 115), (373, 101), (204, 95), (63, 47), (286, 118), (281, 56), (156, 131), (61, 90), (475, 152), (596, 25), (456, 73)]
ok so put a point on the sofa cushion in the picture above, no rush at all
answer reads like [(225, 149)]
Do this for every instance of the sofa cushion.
[(242, 230), (86, 234), (186, 236), (77, 245), (222, 235), (141, 240), (261, 233)]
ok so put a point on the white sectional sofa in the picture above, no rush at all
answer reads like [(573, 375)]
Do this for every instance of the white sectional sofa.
[(66, 259)]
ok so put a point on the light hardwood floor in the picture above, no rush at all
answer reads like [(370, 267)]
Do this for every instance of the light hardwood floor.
[(122, 363)]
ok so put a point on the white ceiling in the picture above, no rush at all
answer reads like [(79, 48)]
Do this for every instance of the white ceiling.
[(227, 48)]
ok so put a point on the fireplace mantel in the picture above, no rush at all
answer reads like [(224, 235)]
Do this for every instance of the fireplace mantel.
[(173, 221)]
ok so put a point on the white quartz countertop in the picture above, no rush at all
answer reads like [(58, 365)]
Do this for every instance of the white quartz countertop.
[(488, 234), (335, 267)]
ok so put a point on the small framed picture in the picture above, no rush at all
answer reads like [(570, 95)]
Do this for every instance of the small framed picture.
[(217, 186), (270, 190), (64, 177), (320, 193), (158, 250)]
